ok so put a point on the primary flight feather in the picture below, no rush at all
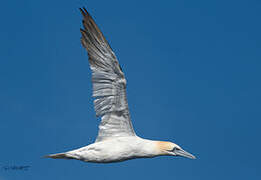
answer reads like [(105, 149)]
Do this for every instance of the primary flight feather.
[(116, 140)]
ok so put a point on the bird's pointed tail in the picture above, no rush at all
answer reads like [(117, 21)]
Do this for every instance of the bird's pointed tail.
[(60, 156)]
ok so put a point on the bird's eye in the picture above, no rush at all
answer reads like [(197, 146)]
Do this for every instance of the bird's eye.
[(175, 148)]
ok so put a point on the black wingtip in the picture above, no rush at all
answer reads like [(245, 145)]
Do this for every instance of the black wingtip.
[(82, 11), (85, 10)]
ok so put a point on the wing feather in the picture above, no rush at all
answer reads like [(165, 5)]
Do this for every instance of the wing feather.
[(109, 83)]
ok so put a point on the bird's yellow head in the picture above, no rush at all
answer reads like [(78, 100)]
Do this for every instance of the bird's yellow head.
[(172, 149)]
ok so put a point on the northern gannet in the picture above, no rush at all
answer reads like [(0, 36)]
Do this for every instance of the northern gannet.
[(116, 140)]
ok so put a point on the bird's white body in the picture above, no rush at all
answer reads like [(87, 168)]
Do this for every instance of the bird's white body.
[(115, 150), (116, 140)]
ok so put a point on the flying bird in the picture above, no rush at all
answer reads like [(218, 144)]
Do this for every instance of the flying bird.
[(116, 140)]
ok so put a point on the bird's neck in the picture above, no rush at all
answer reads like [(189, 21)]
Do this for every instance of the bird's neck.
[(152, 148)]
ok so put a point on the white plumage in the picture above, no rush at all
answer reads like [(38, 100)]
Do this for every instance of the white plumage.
[(116, 140)]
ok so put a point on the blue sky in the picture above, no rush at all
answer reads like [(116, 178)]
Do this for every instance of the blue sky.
[(193, 73)]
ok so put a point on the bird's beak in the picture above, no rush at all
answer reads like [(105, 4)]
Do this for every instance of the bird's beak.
[(181, 152)]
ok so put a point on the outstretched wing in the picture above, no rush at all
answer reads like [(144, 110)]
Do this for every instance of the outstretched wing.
[(109, 83)]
